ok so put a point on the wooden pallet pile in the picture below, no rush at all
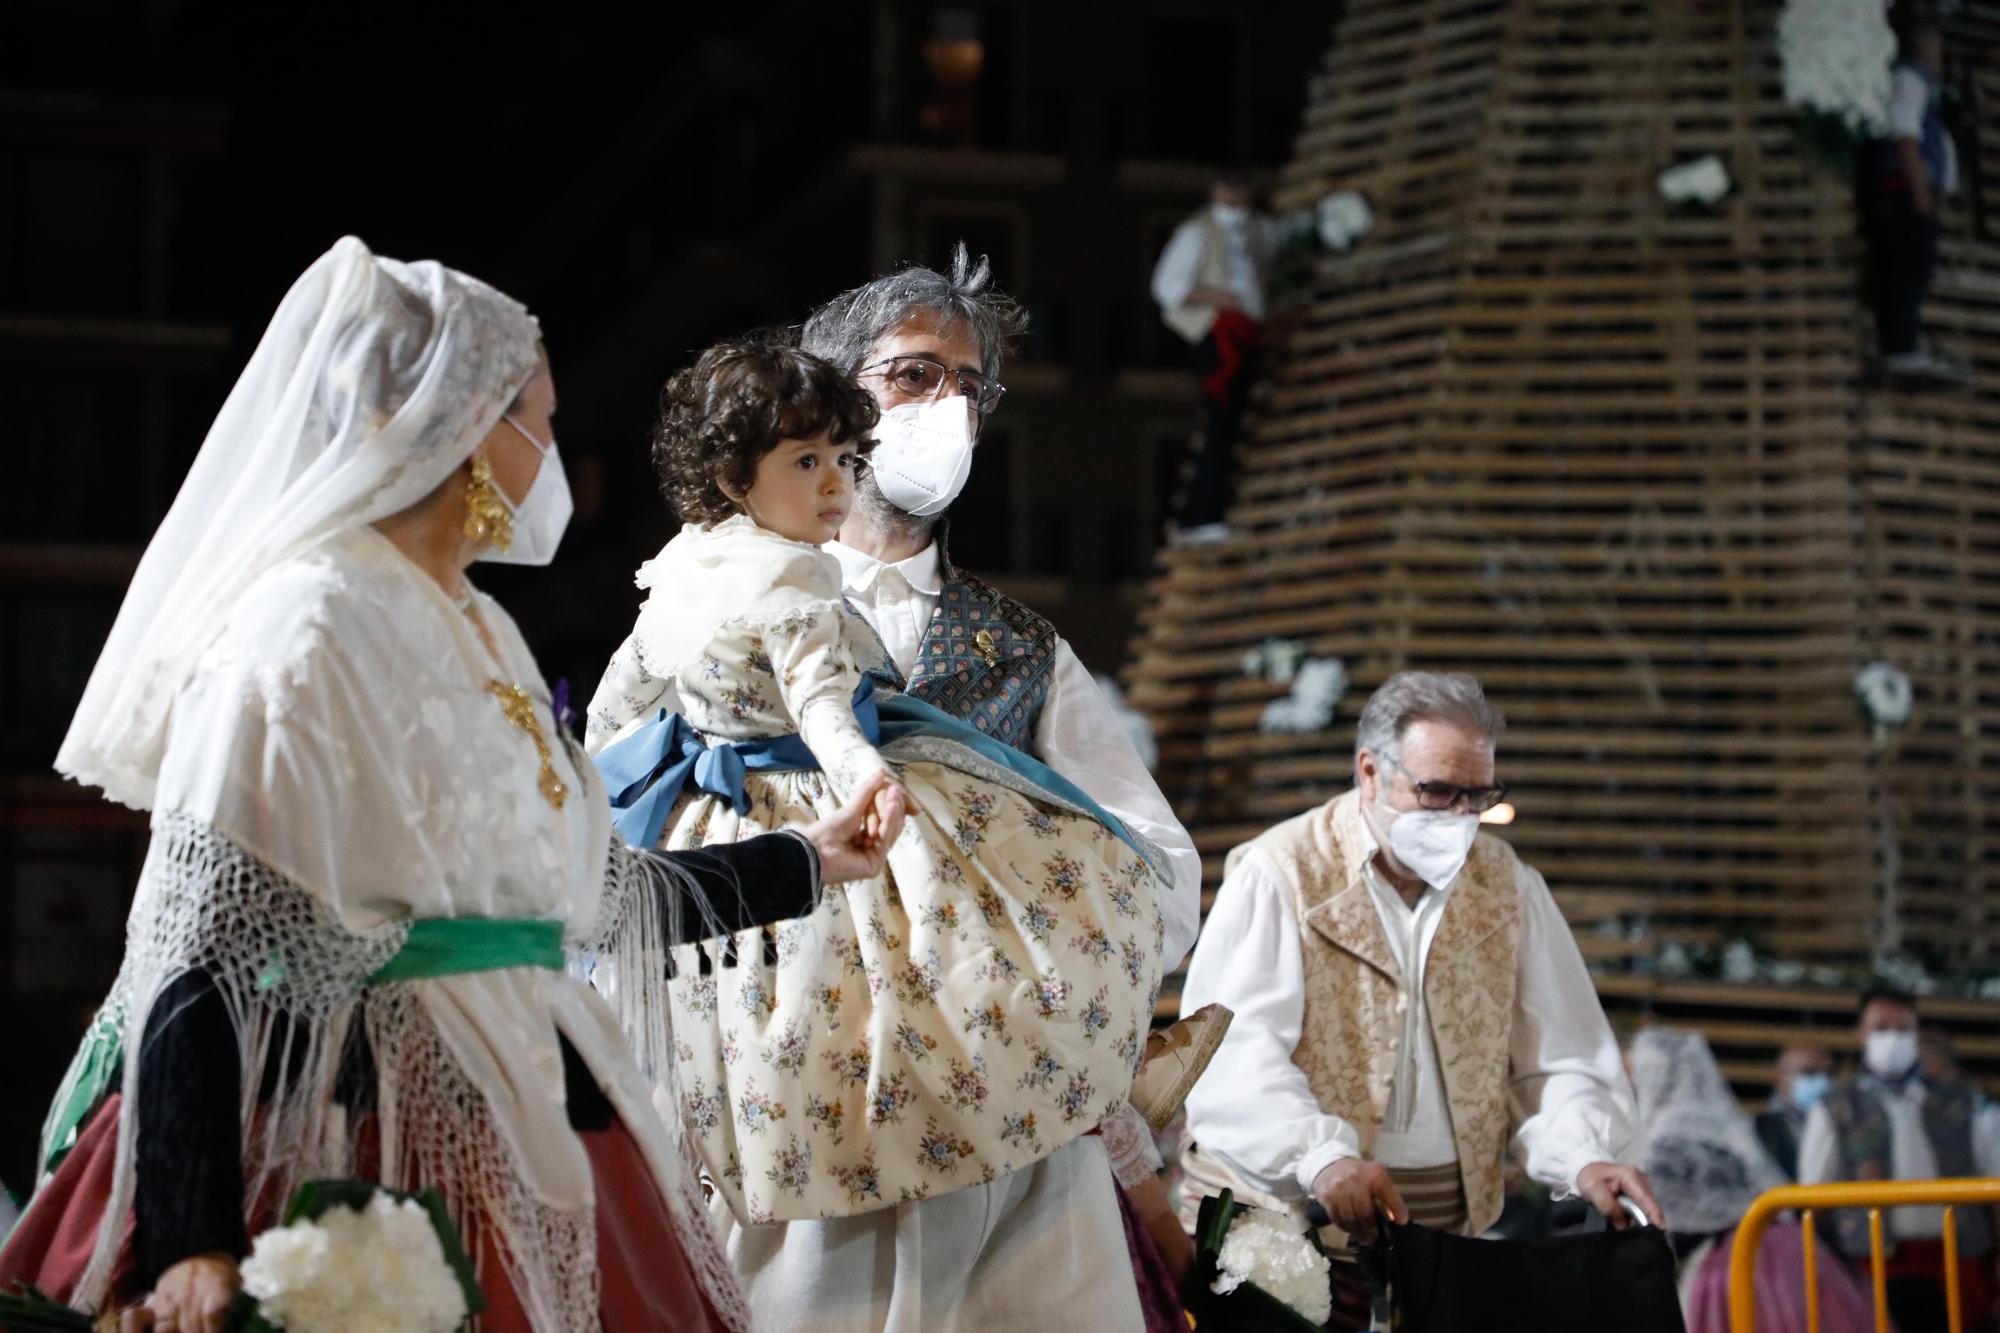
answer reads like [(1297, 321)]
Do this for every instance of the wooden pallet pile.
[(1621, 462)]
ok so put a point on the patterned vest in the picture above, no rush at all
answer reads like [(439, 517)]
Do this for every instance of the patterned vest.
[(1861, 1130), (1355, 998), (986, 659)]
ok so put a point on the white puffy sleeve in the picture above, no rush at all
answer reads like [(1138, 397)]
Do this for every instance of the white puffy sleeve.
[(812, 651)]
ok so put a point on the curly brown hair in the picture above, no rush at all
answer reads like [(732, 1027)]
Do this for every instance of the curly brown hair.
[(733, 405)]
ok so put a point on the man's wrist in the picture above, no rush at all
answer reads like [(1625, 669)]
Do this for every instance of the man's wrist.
[(1319, 1159)]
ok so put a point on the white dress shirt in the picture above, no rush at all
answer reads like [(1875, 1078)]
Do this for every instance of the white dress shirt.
[(1909, 99), (1255, 1110), (1077, 734), (1910, 1154), (1178, 270)]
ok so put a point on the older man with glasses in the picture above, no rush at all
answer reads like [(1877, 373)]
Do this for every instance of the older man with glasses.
[(1408, 1000), (1044, 1246)]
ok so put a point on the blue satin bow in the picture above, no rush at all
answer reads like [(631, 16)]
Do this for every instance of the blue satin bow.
[(646, 772)]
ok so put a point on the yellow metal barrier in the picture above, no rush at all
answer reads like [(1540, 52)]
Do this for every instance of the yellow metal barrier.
[(1874, 1195)]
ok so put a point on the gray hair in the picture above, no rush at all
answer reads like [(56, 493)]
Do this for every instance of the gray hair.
[(844, 329), (1410, 697)]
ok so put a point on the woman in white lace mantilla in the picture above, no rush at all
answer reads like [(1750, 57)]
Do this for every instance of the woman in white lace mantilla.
[(961, 1018), (380, 869)]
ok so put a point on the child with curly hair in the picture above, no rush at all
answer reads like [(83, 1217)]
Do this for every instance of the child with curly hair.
[(966, 1014)]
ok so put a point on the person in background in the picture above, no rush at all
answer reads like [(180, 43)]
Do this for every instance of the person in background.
[(1906, 177), (1211, 286), (1805, 1072), (1707, 1168), (1409, 1002), (1889, 1121)]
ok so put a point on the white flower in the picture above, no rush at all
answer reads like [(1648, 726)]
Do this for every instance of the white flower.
[(1885, 692), (1836, 56), (1268, 1250), (1343, 218), (1702, 181), (1317, 687), (378, 1270)]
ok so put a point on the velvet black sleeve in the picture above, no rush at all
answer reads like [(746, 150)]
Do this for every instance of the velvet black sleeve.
[(188, 1196), (745, 884)]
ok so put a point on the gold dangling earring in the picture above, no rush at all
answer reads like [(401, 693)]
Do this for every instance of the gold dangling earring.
[(488, 518)]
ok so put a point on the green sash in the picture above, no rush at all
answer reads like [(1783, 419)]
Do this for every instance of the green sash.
[(435, 947)]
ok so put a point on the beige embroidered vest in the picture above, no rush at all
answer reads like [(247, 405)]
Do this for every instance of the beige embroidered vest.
[(1355, 997), (1192, 320)]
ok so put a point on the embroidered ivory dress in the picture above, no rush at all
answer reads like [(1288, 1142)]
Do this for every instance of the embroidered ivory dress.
[(960, 1018)]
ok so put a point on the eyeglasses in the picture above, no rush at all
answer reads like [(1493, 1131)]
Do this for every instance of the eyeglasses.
[(1446, 795), (920, 378)]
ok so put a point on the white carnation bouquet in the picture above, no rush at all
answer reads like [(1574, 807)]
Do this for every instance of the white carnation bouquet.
[(350, 1257), (1837, 57), (354, 1258), (1257, 1271)]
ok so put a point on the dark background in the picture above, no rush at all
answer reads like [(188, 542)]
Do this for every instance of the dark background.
[(647, 178)]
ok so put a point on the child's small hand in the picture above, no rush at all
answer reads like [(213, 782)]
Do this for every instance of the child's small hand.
[(885, 814)]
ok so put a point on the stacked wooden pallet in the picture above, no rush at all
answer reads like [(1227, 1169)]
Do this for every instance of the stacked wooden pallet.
[(1619, 461)]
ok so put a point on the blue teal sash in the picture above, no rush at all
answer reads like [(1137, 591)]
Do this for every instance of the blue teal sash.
[(647, 771)]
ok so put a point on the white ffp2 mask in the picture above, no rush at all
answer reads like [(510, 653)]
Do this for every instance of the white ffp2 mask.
[(1431, 844), (923, 455), (542, 515), (1890, 1054)]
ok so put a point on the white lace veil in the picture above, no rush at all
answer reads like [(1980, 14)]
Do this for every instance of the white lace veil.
[(1696, 1143), (374, 381)]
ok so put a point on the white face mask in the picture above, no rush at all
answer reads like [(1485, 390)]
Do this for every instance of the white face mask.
[(1809, 1089), (1890, 1054), (543, 513), (1231, 215), (1431, 844), (923, 455)]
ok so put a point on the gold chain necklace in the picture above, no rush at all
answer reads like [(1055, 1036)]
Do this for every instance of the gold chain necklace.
[(519, 707)]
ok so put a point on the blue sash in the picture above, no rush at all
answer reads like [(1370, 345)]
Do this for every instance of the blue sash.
[(647, 771)]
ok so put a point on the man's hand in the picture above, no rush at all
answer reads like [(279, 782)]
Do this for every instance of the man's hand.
[(1605, 1183), (1351, 1190), (192, 1297), (853, 842)]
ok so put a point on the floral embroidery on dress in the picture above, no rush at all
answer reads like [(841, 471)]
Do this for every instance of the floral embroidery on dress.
[(1017, 1128), (786, 1053), (988, 1022), (743, 701), (1093, 943), (755, 998), (919, 983), (755, 1111), (1037, 920), (792, 1168), (826, 1002), (1096, 1016), (887, 1102), (1065, 877), (942, 1150), (1051, 994), (913, 1042), (1075, 1099), (861, 1180), (965, 1086), (1043, 1068), (941, 916), (826, 1113), (758, 660), (702, 1109), (850, 1067)]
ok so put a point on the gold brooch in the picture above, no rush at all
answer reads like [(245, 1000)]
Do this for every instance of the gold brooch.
[(519, 707), (983, 641)]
